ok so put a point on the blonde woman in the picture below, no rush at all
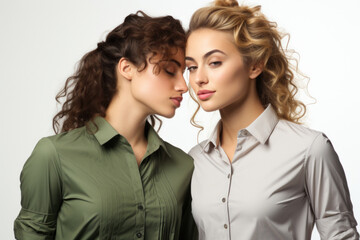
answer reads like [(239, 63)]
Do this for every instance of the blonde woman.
[(260, 175)]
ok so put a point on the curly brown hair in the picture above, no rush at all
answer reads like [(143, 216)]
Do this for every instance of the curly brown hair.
[(89, 91), (259, 42)]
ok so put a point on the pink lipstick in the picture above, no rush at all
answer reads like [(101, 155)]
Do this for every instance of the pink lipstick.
[(204, 94), (177, 101)]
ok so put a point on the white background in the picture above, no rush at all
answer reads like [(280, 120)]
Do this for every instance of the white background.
[(41, 41)]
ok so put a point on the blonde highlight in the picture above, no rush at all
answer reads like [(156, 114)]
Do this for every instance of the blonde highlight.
[(259, 42)]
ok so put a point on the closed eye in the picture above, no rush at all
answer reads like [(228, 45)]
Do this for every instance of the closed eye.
[(170, 72)]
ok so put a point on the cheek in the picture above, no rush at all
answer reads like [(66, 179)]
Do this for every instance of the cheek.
[(142, 88), (233, 81), (157, 88), (161, 86), (193, 85)]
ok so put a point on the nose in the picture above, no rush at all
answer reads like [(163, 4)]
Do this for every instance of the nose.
[(180, 85), (198, 77)]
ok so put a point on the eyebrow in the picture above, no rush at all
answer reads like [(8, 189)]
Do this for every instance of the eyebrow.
[(206, 55), (176, 62)]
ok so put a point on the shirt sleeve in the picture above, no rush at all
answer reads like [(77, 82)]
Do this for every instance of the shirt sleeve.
[(328, 192), (41, 195)]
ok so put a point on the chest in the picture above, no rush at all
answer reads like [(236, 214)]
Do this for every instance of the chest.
[(258, 184), (109, 194)]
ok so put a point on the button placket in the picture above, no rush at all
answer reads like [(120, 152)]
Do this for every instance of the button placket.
[(242, 134), (225, 200), (137, 174)]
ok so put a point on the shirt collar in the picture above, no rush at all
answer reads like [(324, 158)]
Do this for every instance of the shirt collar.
[(261, 128), (154, 140), (105, 132), (264, 125), (214, 138)]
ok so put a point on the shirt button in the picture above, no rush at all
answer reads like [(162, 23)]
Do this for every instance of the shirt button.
[(140, 207), (139, 235), (225, 226), (223, 199), (239, 147), (228, 176)]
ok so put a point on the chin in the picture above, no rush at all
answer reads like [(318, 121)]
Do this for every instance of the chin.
[(208, 108), (167, 114)]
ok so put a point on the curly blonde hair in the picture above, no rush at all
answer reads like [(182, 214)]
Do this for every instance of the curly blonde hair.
[(259, 42)]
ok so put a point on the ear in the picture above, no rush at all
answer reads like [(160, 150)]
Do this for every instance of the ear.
[(255, 70), (125, 68)]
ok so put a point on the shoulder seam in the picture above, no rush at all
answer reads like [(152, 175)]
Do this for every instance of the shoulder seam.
[(307, 156)]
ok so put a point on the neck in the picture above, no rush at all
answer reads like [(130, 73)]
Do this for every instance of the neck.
[(238, 116), (126, 119)]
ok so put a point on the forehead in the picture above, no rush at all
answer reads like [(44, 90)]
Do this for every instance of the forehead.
[(204, 40), (177, 56)]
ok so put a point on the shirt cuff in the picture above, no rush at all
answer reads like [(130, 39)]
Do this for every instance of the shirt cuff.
[(30, 225), (339, 226)]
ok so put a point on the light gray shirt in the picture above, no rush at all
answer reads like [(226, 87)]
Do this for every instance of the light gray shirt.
[(283, 178)]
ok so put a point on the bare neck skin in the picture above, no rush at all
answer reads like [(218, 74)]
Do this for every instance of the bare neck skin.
[(235, 117), (128, 118)]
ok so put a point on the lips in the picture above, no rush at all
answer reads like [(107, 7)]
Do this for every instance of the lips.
[(177, 101), (204, 94)]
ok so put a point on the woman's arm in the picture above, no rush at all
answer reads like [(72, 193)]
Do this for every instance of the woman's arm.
[(328, 192), (41, 194)]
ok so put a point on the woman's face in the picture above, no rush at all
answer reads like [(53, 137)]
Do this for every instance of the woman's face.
[(161, 93), (217, 72)]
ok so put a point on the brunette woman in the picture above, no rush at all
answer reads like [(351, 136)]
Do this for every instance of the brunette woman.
[(108, 174)]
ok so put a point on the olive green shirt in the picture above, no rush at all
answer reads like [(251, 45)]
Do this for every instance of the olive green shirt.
[(79, 185)]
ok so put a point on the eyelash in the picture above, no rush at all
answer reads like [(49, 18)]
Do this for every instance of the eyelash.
[(170, 73), (212, 64), (191, 68), (215, 64)]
